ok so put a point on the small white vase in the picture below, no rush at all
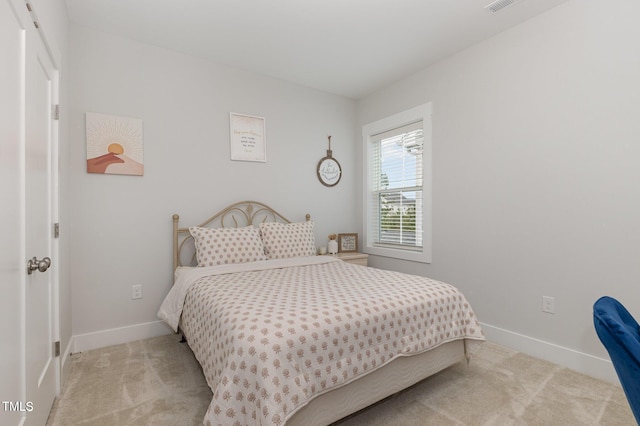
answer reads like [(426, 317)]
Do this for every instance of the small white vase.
[(332, 247)]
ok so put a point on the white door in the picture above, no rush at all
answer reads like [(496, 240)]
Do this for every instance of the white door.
[(39, 300), (28, 192)]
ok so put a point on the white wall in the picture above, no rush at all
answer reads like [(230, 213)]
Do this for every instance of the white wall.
[(536, 174), (121, 225)]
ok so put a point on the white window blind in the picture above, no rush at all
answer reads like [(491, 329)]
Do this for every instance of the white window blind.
[(396, 196), (396, 188)]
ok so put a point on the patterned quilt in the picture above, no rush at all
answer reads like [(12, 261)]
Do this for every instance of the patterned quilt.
[(272, 335)]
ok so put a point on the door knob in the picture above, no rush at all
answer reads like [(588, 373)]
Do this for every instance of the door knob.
[(38, 265)]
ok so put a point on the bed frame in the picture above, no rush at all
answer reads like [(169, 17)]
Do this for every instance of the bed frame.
[(243, 213), (338, 403)]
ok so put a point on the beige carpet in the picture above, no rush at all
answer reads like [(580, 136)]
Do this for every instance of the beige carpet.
[(158, 382)]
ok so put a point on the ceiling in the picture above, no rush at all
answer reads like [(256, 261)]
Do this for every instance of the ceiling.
[(346, 47)]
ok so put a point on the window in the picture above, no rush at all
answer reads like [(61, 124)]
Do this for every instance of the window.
[(397, 204)]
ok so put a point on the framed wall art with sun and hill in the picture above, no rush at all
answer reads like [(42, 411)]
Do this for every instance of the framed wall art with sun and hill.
[(114, 145)]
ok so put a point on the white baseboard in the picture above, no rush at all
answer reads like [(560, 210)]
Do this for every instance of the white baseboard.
[(64, 363), (116, 336), (584, 363)]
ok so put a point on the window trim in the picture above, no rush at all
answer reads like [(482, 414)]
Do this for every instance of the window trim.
[(421, 112)]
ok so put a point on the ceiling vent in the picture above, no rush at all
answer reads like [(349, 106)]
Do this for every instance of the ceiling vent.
[(498, 5)]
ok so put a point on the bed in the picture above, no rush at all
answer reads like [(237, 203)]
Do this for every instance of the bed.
[(287, 337)]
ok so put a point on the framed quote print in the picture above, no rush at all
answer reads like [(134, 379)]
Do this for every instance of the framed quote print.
[(248, 138), (347, 243)]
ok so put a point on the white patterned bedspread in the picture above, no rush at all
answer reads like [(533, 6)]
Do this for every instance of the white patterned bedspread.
[(272, 335)]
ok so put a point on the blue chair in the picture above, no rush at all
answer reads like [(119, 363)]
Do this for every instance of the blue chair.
[(619, 333)]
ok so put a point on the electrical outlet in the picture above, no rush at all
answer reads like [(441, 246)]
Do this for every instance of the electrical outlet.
[(549, 304), (136, 291)]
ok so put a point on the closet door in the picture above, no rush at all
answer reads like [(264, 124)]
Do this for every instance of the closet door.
[(40, 294)]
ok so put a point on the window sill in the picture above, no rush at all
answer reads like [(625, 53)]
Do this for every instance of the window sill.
[(414, 256)]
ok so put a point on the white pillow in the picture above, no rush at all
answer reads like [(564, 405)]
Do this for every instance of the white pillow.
[(219, 246), (283, 240)]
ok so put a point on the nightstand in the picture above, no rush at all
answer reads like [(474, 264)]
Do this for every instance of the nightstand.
[(354, 258)]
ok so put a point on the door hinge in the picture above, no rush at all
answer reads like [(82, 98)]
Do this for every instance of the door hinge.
[(56, 230), (55, 113), (56, 348)]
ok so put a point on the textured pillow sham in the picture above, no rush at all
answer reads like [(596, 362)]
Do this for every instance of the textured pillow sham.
[(284, 240), (220, 246)]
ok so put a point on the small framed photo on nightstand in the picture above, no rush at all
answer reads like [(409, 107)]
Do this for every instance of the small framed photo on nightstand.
[(347, 243)]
